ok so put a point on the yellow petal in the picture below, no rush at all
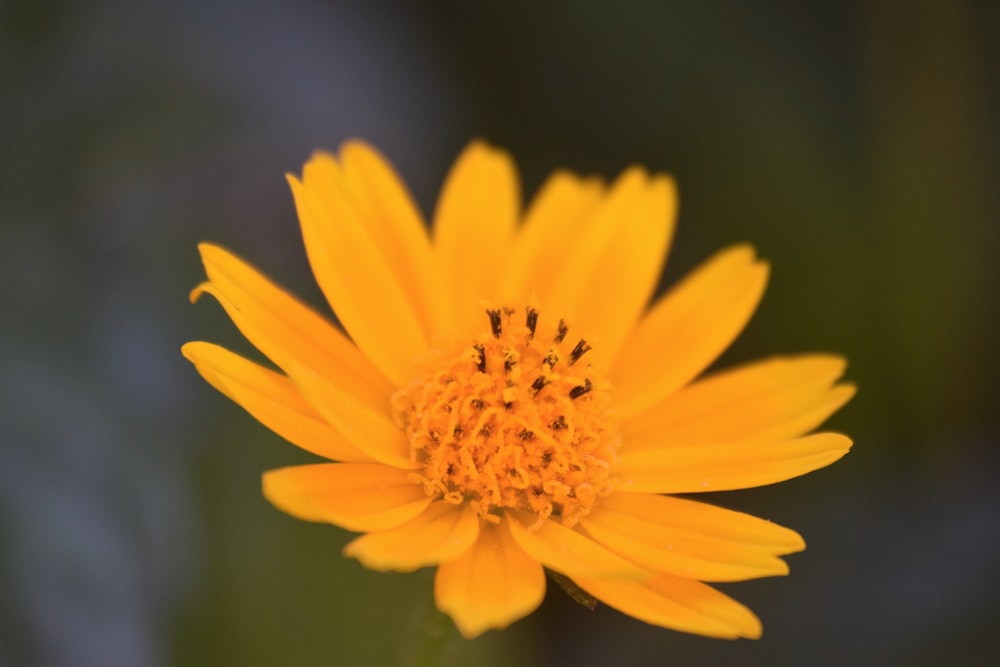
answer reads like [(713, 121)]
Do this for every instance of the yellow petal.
[(382, 201), (678, 604), (690, 539), (355, 496), (573, 262), (554, 218), (361, 287), (281, 327), (709, 520), (614, 265), (725, 466), (688, 329), (272, 399), (442, 532), (775, 399), (473, 226), (491, 585), (571, 552), (371, 431)]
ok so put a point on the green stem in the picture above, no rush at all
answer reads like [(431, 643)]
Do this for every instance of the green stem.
[(434, 630)]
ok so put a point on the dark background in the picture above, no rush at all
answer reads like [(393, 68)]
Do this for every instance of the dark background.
[(855, 144)]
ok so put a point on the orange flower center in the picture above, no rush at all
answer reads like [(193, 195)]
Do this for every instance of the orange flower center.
[(516, 420)]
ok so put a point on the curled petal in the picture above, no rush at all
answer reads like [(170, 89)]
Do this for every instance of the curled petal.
[(284, 329), (273, 399)]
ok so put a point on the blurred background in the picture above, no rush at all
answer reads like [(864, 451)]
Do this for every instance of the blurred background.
[(857, 145)]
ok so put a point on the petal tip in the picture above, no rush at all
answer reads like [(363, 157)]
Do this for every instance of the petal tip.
[(196, 293)]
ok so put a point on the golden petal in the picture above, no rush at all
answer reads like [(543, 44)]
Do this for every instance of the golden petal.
[(272, 399), (569, 272), (678, 604), (726, 466), (491, 585), (371, 431), (613, 267), (363, 290), (659, 533), (554, 217), (709, 520), (473, 226), (442, 532), (773, 399), (571, 552), (687, 329), (355, 496), (282, 327), (390, 216)]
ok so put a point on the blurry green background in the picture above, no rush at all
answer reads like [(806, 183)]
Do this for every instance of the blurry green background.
[(855, 144)]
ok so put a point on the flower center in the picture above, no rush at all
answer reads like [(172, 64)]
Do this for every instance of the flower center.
[(517, 420)]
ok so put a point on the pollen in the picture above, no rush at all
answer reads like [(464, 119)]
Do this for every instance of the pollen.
[(515, 420)]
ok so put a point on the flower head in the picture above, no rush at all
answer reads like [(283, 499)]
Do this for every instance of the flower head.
[(506, 400)]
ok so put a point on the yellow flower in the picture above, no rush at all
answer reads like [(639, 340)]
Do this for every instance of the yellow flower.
[(507, 400)]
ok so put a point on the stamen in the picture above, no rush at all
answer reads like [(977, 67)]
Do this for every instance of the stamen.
[(509, 361), (561, 333), (580, 390), (495, 322), (531, 321), (481, 353), (497, 425), (581, 349)]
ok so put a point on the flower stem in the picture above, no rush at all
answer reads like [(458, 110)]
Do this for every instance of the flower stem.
[(434, 630)]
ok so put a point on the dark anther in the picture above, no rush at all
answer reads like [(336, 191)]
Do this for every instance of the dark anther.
[(508, 362), (532, 322), (458, 431), (481, 353), (561, 333), (478, 404), (508, 406), (495, 322), (537, 385), (580, 390), (551, 359), (525, 434), (547, 457), (559, 424), (485, 431), (451, 469), (537, 491), (581, 349)]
